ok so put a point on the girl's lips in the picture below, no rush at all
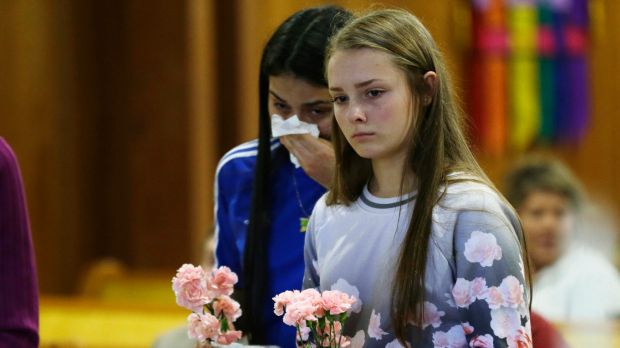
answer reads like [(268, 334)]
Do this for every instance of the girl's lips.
[(362, 135)]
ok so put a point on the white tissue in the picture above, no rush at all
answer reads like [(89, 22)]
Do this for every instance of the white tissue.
[(292, 125)]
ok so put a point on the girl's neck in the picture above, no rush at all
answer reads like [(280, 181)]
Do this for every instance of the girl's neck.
[(387, 178)]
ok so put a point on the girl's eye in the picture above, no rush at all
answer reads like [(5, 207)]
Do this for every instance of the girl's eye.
[(280, 106), (320, 112), (339, 99), (373, 93)]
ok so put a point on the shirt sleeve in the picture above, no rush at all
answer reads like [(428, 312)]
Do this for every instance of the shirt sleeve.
[(490, 291), (226, 250)]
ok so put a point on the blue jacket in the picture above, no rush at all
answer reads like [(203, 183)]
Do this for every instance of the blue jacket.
[(293, 197)]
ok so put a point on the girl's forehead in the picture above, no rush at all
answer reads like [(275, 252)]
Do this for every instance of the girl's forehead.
[(361, 63)]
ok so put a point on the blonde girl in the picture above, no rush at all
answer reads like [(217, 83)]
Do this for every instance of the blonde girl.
[(411, 225)]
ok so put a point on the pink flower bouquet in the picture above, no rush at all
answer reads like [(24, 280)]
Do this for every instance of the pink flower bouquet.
[(318, 317), (207, 295)]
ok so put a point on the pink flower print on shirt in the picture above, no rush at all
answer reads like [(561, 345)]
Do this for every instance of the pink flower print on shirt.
[(479, 288), (467, 328), (512, 292), (494, 298), (374, 326), (440, 339), (520, 339), (485, 341), (461, 292), (482, 248), (432, 316), (358, 340), (304, 332), (454, 338), (505, 322), (394, 344)]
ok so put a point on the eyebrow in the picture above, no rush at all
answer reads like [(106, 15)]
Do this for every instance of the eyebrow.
[(310, 103), (357, 85)]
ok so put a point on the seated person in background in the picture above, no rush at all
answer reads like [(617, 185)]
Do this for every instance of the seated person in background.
[(19, 302), (572, 282)]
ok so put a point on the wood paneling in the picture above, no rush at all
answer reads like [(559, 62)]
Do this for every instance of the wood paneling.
[(119, 110), (108, 106), (42, 103)]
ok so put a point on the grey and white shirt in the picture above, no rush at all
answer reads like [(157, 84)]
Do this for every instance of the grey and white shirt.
[(476, 295)]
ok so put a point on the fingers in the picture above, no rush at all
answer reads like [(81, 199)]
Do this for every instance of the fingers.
[(296, 141)]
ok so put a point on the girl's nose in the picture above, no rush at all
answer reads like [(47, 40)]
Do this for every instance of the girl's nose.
[(357, 114)]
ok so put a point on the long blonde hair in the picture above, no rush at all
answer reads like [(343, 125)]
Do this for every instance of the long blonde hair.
[(437, 147)]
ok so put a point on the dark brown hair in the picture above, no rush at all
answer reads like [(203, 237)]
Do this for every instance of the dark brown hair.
[(296, 47)]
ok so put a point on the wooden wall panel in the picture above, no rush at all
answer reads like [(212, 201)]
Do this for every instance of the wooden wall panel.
[(110, 108), (41, 106), (203, 130)]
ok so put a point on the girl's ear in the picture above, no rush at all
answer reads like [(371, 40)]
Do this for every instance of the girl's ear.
[(430, 79)]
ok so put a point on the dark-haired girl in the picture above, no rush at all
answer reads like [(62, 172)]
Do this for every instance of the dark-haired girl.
[(263, 200)]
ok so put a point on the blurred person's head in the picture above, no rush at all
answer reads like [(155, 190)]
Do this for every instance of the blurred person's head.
[(546, 195)]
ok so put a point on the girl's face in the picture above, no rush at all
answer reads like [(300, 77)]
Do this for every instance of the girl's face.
[(372, 102), (290, 95), (547, 218)]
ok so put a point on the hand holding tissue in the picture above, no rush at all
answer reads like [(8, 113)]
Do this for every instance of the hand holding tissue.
[(292, 125)]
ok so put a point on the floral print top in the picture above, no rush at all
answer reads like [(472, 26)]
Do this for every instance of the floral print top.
[(476, 295)]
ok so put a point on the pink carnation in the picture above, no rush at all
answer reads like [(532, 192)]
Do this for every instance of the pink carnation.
[(336, 302), (229, 337), (190, 287), (282, 300), (227, 306), (345, 341), (314, 297), (202, 327), (299, 311), (221, 282)]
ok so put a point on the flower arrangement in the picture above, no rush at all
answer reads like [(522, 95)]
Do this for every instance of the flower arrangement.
[(318, 317), (207, 295)]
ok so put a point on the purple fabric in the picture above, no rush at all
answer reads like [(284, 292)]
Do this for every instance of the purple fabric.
[(578, 93), (19, 302)]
